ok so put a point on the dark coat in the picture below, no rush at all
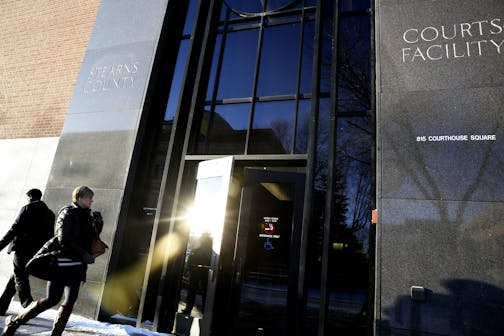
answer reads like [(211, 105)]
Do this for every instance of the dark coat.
[(75, 228), (32, 228)]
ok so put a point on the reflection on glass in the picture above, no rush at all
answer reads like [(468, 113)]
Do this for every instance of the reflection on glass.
[(213, 71), (279, 59), (205, 220), (191, 12), (237, 72), (303, 126), (226, 130), (354, 84), (272, 128), (348, 277), (204, 215), (171, 107)]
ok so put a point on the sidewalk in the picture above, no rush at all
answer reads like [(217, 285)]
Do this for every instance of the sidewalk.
[(77, 326)]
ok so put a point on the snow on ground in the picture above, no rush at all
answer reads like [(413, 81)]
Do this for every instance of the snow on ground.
[(79, 324)]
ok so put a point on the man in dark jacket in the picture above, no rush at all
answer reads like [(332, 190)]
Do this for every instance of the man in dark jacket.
[(32, 228)]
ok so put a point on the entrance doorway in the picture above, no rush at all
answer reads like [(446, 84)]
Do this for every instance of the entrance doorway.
[(256, 269), (267, 253)]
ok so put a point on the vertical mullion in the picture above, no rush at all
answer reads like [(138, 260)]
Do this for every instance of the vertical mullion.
[(254, 85), (298, 82), (331, 171), (310, 166), (217, 80), (372, 231)]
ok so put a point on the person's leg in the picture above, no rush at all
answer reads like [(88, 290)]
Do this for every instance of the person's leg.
[(7, 295), (21, 277), (191, 296), (65, 310), (54, 294)]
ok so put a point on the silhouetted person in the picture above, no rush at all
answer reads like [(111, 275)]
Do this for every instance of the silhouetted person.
[(33, 226), (199, 264)]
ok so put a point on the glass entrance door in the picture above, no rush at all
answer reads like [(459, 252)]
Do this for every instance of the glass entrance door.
[(267, 253), (206, 221)]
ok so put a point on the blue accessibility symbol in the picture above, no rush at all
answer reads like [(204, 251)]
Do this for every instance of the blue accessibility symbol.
[(268, 245)]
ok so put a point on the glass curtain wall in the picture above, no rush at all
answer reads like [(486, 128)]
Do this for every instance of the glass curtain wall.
[(263, 83), (340, 245), (257, 101)]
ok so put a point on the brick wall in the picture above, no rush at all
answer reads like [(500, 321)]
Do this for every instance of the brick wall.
[(42, 44)]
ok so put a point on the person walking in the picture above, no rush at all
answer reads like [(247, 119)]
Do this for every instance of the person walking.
[(199, 264), (71, 252), (33, 226)]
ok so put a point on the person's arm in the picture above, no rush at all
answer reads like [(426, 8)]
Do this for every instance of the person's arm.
[(64, 232), (97, 222), (13, 231)]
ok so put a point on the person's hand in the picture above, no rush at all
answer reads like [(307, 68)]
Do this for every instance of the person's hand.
[(88, 258)]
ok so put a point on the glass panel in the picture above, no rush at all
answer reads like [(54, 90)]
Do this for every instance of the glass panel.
[(228, 129), (354, 81), (178, 74), (327, 46), (307, 58), (348, 277), (263, 295), (353, 5), (303, 126), (279, 58), (191, 13), (272, 128), (238, 65), (213, 71), (257, 6), (199, 247), (205, 220), (316, 233)]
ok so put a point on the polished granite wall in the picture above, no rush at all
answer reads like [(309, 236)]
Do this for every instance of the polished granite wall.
[(97, 142), (440, 98)]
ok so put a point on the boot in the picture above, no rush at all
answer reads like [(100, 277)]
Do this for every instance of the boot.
[(61, 320), (13, 322)]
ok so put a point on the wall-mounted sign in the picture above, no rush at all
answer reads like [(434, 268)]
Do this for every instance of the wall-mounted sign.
[(268, 227), (453, 41)]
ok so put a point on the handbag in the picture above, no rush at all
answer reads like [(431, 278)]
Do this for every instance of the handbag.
[(44, 264), (98, 246)]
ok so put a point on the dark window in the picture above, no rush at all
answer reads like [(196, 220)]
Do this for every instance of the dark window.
[(225, 130), (354, 83), (279, 60), (303, 126), (238, 66), (272, 128)]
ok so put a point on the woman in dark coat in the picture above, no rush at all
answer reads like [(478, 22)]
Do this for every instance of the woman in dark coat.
[(75, 229)]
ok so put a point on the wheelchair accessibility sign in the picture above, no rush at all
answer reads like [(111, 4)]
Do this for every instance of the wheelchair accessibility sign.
[(268, 229)]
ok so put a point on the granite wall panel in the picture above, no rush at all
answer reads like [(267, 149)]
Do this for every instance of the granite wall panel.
[(440, 74), (97, 142)]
